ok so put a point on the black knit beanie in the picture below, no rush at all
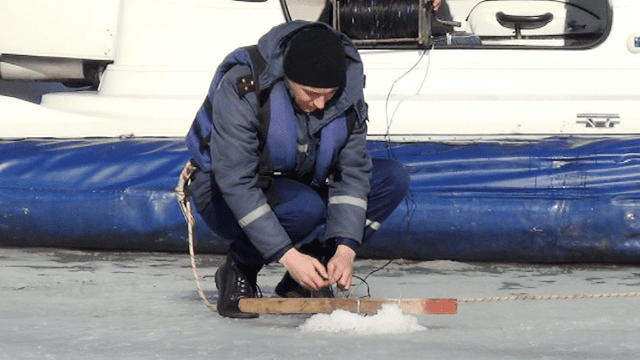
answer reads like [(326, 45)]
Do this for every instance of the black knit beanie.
[(316, 58)]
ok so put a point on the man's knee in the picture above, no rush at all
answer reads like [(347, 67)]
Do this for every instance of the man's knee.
[(301, 214), (393, 176), (401, 178), (312, 210)]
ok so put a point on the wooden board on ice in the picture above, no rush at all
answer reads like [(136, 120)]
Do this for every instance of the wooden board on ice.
[(327, 305)]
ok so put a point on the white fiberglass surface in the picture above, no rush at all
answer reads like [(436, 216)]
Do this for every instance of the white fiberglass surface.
[(64, 304)]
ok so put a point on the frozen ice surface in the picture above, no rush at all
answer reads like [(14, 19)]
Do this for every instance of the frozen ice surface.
[(63, 304)]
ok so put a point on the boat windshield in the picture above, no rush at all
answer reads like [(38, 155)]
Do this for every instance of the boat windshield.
[(568, 24)]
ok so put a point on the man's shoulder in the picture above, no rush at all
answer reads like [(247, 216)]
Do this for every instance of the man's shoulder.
[(231, 100), (238, 80), (236, 71)]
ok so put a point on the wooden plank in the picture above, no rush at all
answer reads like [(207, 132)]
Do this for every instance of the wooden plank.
[(327, 305)]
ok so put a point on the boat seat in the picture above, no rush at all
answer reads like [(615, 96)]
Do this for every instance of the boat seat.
[(519, 22), (530, 22)]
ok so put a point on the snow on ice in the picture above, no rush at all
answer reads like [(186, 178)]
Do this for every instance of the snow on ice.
[(389, 320)]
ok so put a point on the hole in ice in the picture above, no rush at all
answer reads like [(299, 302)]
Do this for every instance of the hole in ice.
[(388, 320)]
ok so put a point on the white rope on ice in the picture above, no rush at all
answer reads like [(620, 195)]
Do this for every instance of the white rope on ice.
[(187, 211), (549, 297)]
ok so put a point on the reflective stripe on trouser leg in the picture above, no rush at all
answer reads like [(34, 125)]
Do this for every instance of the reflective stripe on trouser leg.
[(372, 224), (389, 186)]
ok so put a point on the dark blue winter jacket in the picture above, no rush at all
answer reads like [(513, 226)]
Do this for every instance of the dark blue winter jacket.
[(226, 126)]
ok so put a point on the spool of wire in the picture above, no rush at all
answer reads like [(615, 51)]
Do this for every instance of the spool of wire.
[(379, 19)]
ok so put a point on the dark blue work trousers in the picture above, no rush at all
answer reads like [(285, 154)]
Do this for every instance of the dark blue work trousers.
[(302, 210)]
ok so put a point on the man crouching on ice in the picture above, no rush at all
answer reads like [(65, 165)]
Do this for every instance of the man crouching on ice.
[(283, 167)]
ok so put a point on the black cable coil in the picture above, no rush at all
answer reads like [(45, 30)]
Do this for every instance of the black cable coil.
[(379, 19)]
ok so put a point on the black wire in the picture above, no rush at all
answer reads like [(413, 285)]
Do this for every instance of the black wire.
[(364, 280)]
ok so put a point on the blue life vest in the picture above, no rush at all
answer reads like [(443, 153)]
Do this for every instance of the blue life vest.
[(279, 133)]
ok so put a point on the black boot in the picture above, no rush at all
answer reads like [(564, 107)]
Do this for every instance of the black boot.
[(289, 288), (233, 285)]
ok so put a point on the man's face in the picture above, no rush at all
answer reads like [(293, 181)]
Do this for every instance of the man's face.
[(310, 99)]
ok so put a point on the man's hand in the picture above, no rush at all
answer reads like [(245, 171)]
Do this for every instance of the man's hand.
[(340, 267), (305, 269), (436, 4)]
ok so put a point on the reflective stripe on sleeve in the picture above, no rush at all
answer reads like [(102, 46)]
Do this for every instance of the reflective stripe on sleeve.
[(349, 200), (255, 214)]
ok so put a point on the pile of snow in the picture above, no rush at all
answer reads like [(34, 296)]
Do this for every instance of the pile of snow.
[(388, 320)]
